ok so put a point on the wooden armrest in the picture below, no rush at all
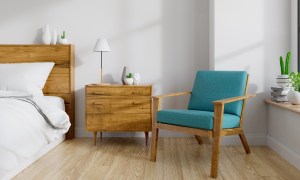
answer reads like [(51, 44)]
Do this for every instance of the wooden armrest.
[(233, 99), (171, 95)]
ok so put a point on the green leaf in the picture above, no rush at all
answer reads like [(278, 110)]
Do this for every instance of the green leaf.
[(287, 63), (281, 65)]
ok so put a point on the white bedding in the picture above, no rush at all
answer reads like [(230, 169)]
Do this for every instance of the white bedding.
[(23, 130)]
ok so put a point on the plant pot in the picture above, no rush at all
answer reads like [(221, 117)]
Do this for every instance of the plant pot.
[(283, 81), (63, 41), (129, 81), (294, 97)]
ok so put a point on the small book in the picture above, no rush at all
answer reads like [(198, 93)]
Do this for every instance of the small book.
[(277, 89)]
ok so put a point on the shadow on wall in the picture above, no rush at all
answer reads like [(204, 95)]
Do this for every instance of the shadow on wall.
[(38, 37)]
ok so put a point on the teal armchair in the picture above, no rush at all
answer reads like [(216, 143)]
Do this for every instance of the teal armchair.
[(216, 109)]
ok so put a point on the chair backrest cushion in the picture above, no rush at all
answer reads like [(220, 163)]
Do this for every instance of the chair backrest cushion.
[(210, 86)]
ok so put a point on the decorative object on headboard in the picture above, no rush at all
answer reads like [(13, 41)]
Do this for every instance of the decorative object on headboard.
[(61, 79), (54, 37), (63, 39), (46, 35), (101, 46)]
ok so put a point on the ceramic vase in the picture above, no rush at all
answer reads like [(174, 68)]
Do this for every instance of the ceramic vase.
[(294, 97), (136, 78), (129, 81), (125, 70), (54, 37), (283, 81), (46, 35)]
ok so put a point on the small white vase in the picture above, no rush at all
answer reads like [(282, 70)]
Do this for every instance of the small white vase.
[(46, 35), (129, 81), (63, 41), (54, 37), (136, 78), (294, 97)]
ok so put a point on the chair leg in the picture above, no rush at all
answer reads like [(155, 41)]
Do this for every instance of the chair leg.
[(199, 139), (154, 144), (146, 137), (245, 143), (215, 156)]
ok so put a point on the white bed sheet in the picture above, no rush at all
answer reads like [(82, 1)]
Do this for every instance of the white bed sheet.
[(24, 133)]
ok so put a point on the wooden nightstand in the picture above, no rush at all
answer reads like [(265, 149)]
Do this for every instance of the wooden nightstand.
[(118, 108)]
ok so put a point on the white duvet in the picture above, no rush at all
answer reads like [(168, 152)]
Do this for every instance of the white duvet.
[(23, 130)]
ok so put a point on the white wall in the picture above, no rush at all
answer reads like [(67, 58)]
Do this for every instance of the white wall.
[(165, 41), (283, 128), (294, 35), (283, 124), (251, 35)]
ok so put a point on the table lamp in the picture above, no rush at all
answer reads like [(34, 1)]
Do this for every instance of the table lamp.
[(101, 46)]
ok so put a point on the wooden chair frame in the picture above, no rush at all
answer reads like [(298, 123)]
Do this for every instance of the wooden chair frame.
[(217, 133)]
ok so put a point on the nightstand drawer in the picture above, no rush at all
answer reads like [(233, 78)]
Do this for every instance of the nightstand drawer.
[(108, 105), (118, 122), (118, 91), (116, 107)]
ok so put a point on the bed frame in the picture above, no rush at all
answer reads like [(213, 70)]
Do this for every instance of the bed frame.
[(61, 80)]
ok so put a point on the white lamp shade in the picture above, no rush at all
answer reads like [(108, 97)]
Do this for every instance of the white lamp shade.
[(101, 46)]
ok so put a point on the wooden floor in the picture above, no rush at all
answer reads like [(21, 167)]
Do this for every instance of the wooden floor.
[(178, 158)]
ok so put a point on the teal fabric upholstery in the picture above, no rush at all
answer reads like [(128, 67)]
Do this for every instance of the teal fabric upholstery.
[(215, 85), (195, 119)]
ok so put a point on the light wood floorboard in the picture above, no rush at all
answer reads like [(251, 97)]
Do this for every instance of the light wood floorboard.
[(177, 158)]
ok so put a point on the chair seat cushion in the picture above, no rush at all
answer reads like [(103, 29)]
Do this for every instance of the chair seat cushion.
[(195, 119)]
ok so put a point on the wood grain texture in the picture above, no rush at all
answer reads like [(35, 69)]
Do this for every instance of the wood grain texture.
[(233, 99), (118, 122), (218, 121), (118, 108), (118, 105), (61, 79), (178, 158), (287, 106), (172, 94), (123, 90)]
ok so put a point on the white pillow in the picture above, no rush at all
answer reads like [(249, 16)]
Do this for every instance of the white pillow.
[(25, 77)]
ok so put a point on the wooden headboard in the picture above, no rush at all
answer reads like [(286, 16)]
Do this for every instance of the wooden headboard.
[(61, 80)]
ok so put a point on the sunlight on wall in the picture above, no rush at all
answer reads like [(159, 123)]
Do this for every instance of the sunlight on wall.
[(239, 38)]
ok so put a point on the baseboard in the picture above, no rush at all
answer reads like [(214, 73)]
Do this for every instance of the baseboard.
[(253, 139), (288, 154)]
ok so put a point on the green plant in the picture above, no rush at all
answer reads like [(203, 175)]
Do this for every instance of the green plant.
[(285, 67), (130, 75), (63, 36), (295, 79)]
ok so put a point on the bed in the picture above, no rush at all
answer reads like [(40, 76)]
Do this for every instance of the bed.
[(58, 90)]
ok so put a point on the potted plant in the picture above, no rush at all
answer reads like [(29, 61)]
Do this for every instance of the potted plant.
[(294, 94), (283, 79), (63, 39), (129, 79)]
